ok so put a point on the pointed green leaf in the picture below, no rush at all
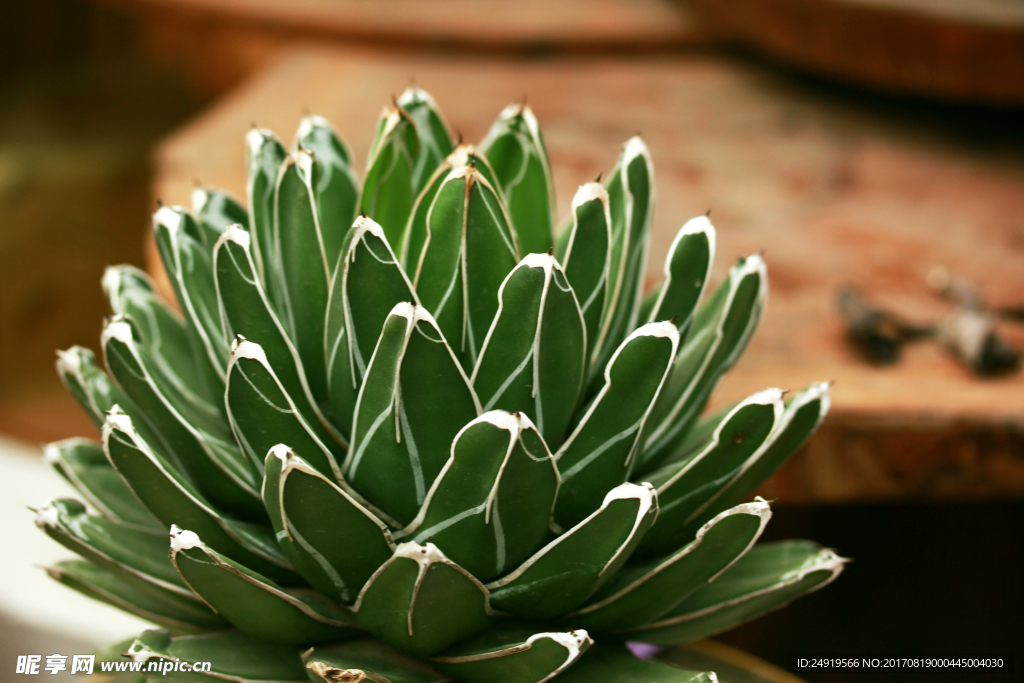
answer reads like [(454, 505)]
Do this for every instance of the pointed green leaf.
[(421, 602), (534, 356), (601, 451), (687, 268), (84, 464), (768, 577), (248, 313), (368, 659), (135, 596), (515, 149), (87, 382), (721, 329), (435, 142), (337, 187), (253, 603), (388, 191), (415, 399), (567, 571), (587, 253), (216, 210), (334, 540), (233, 656), (643, 592), (610, 663), (631, 205), (686, 489), (264, 156), (173, 500), (513, 653), (490, 507), (469, 249)]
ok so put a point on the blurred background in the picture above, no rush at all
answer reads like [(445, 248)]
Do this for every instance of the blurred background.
[(873, 147)]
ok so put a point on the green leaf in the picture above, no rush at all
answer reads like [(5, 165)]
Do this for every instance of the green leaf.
[(212, 460), (263, 414), (490, 508), (687, 489), (562, 575), (216, 210), (253, 603), (368, 659), (801, 417), (135, 596), (534, 356), (89, 384), (337, 187), (643, 592), (601, 451), (413, 402), (388, 190), (469, 250), (515, 149), (421, 602), (173, 500), (334, 540), (248, 313), (264, 156), (513, 653), (435, 142), (84, 464), (187, 263), (587, 253), (610, 663), (687, 269), (721, 329), (768, 577), (631, 205), (233, 656)]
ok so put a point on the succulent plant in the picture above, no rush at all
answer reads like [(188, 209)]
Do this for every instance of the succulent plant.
[(439, 444)]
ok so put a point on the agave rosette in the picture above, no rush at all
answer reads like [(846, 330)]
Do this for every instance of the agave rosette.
[(397, 431)]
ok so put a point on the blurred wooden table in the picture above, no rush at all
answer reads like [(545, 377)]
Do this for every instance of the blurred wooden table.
[(834, 191)]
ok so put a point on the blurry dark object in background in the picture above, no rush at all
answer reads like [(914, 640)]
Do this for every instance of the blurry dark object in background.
[(877, 335), (964, 50), (970, 335)]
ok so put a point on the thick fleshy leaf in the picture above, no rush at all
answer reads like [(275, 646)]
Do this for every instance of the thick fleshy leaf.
[(515, 149), (368, 659), (120, 549), (801, 417), (388, 190), (768, 577), (601, 451), (264, 156), (84, 464), (87, 382), (610, 663), (631, 205), (173, 500), (721, 329), (302, 268), (334, 541), (337, 187), (190, 269), (233, 656), (469, 249), (562, 575), (534, 356), (211, 460), (490, 507), (686, 489), (513, 653), (435, 142), (248, 313), (643, 592), (687, 269), (135, 596), (254, 604), (421, 602), (215, 210), (587, 253), (413, 402)]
